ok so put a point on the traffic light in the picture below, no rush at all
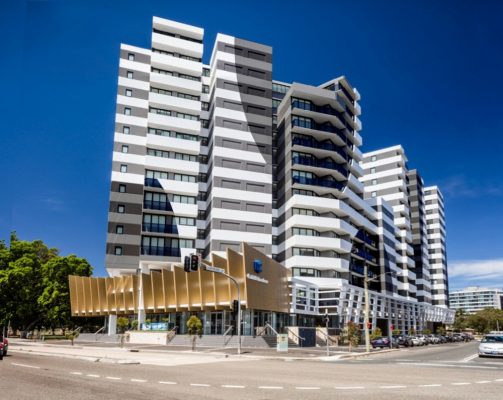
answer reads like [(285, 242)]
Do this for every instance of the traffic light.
[(235, 306), (194, 262), (392, 327), (186, 264), (369, 325)]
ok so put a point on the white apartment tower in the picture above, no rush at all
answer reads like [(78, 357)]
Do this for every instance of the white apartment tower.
[(437, 254)]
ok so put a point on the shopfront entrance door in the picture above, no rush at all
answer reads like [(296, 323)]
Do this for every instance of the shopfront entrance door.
[(217, 323)]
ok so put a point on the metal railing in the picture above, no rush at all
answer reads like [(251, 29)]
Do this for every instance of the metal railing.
[(170, 335), (299, 338), (328, 338), (97, 332)]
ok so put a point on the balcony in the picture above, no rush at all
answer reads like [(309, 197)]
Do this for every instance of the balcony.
[(160, 251), (160, 228), (318, 262), (327, 164), (157, 205), (308, 123), (329, 146), (327, 183)]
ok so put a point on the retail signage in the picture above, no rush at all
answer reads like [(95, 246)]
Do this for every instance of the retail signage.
[(256, 278), (282, 342), (257, 266)]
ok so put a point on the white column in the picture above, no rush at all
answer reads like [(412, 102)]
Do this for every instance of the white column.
[(141, 305), (112, 325)]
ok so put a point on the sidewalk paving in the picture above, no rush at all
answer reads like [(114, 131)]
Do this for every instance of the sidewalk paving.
[(170, 355)]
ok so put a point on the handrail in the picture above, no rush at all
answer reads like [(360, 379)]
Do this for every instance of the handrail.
[(230, 328), (327, 337), (170, 335), (294, 334), (271, 328), (98, 331)]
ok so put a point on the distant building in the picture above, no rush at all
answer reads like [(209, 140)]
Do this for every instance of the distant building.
[(475, 298)]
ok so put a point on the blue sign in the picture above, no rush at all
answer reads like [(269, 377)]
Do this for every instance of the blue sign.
[(257, 266)]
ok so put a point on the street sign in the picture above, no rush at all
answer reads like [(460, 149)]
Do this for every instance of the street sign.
[(282, 342), (214, 269)]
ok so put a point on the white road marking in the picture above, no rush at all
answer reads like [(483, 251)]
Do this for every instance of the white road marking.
[(114, 378), (76, 373), (483, 382), (432, 385), (392, 387), (307, 388), (271, 387), (420, 364), (460, 383), (167, 383), (498, 380), (138, 380), (200, 384), (469, 358), (233, 386), (349, 387), (93, 376), (25, 366)]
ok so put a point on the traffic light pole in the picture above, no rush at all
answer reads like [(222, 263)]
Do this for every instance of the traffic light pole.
[(367, 307)]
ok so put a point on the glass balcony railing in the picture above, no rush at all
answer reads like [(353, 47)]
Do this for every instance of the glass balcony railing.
[(325, 127), (152, 182), (320, 164), (160, 251), (318, 182), (162, 228), (157, 205), (320, 145)]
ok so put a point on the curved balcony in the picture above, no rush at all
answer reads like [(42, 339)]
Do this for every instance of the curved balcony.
[(321, 145), (309, 123), (328, 183), (327, 164)]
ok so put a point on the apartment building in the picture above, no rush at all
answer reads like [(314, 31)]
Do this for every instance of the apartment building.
[(210, 156), (437, 255), (475, 298)]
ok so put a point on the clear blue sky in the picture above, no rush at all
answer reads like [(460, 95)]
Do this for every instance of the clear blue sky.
[(430, 75)]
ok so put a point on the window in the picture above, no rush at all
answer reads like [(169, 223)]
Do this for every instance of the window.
[(125, 148), (122, 188), (374, 181), (185, 178), (121, 208), (126, 130), (205, 123), (184, 221), (206, 89), (130, 74), (373, 158), (118, 251), (184, 199), (119, 229), (127, 111), (129, 92), (205, 106), (206, 72), (130, 57), (305, 232), (372, 170), (123, 168), (374, 194)]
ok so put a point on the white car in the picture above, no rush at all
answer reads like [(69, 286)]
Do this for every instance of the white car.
[(491, 346)]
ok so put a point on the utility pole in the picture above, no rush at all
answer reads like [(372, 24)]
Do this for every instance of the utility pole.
[(327, 319), (367, 307)]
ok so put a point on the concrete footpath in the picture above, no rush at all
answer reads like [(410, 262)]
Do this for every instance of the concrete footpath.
[(165, 356)]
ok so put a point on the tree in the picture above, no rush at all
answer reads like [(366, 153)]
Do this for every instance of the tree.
[(353, 334), (460, 320), (122, 324), (195, 328), (34, 284), (441, 330), (376, 333), (53, 301), (396, 332)]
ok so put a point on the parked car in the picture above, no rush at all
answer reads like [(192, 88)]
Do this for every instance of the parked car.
[(383, 342), (5, 345), (403, 340), (491, 346), (424, 339), (1, 351)]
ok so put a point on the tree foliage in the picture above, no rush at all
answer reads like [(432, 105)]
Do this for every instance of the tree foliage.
[(376, 333), (34, 284), (482, 321)]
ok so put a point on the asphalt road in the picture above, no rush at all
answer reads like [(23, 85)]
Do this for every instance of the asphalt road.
[(435, 372)]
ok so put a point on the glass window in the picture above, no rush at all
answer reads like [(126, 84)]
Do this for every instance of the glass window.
[(122, 188), (374, 181), (206, 89), (121, 208), (118, 250), (123, 168), (374, 194), (372, 170), (130, 57), (127, 111), (373, 158), (206, 72), (119, 229), (130, 74), (129, 92), (125, 148), (126, 130)]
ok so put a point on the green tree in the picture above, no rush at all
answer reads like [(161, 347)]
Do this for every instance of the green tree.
[(376, 333), (122, 325), (195, 328), (460, 320), (353, 334), (54, 298), (441, 330)]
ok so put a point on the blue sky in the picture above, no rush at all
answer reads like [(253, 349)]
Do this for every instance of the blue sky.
[(429, 73)]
